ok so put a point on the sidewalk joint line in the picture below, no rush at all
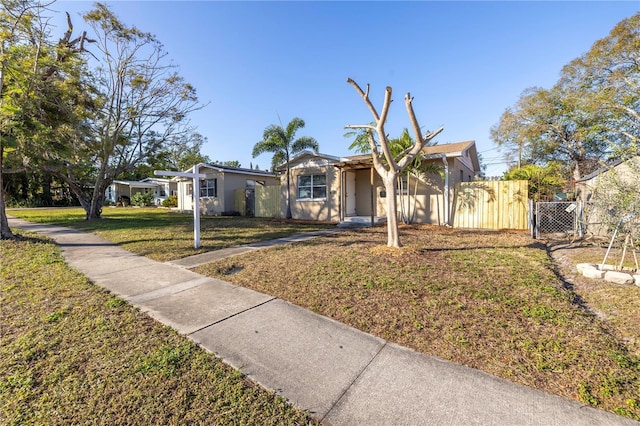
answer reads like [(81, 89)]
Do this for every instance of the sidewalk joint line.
[(233, 315), (333, 405)]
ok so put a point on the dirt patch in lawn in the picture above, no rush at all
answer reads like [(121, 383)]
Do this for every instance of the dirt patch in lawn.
[(489, 300)]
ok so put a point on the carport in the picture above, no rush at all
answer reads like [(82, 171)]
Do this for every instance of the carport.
[(127, 188)]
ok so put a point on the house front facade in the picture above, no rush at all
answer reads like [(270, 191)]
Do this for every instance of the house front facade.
[(218, 188), (334, 189)]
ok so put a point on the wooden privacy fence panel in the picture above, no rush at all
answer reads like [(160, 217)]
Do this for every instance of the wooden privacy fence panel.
[(239, 203), (491, 205), (268, 201)]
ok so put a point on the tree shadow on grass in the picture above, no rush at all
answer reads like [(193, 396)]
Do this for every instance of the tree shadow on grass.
[(30, 238), (534, 245)]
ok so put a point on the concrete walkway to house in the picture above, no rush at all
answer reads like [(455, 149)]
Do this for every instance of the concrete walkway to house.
[(341, 375)]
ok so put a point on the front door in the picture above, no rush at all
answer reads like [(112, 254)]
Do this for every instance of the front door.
[(350, 194)]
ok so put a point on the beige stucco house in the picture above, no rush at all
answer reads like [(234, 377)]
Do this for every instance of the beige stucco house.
[(598, 186), (218, 188), (586, 186), (338, 189)]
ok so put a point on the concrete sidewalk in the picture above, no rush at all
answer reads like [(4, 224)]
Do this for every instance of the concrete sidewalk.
[(201, 259), (341, 375)]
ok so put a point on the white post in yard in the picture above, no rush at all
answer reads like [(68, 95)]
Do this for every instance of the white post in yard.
[(195, 176), (196, 208), (445, 191)]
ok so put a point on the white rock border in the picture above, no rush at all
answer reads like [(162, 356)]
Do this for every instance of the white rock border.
[(607, 273)]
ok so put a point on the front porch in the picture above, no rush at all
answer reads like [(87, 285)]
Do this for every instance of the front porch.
[(360, 221)]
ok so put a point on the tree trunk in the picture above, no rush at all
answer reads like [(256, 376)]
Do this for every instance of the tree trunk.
[(97, 199), (5, 231), (288, 214), (412, 216), (393, 237), (47, 198), (95, 208), (75, 189), (393, 167), (403, 216)]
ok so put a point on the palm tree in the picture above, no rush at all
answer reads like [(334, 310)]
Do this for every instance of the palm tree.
[(416, 168), (281, 143)]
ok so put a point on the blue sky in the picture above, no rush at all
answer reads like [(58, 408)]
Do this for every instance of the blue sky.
[(463, 62)]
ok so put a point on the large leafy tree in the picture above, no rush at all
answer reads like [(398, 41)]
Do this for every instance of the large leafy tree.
[(35, 88), (590, 115), (140, 103), (388, 165), (283, 144), (16, 23), (87, 127), (606, 80), (549, 125), (180, 152)]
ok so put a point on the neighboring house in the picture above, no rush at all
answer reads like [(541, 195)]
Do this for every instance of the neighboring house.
[(586, 186), (587, 191), (333, 189), (123, 190), (217, 190)]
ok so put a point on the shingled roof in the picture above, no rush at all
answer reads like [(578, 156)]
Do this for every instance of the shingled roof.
[(433, 151)]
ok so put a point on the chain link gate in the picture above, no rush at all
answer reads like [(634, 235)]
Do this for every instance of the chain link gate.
[(557, 217)]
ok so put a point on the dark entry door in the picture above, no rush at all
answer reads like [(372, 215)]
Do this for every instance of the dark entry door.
[(250, 202)]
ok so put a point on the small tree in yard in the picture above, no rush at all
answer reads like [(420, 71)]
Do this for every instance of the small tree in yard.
[(387, 165)]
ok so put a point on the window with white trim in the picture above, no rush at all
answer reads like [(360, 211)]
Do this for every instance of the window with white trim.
[(209, 188), (312, 187)]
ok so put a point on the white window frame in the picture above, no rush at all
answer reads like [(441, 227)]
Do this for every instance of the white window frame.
[(312, 187), (209, 188)]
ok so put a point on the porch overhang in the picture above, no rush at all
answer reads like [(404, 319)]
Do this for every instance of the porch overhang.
[(355, 164)]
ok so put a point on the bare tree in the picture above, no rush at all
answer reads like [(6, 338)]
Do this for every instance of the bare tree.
[(385, 163), (141, 103)]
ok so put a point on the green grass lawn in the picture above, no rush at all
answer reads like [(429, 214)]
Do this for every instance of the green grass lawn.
[(71, 353), (489, 300), (495, 301), (163, 235)]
